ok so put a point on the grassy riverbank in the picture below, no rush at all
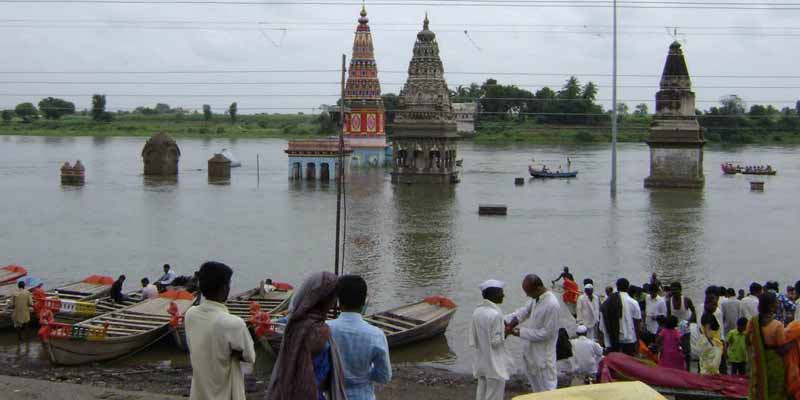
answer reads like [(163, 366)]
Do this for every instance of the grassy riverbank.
[(293, 126)]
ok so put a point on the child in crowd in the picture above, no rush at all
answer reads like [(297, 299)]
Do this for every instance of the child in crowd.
[(736, 348), (668, 342), (709, 345)]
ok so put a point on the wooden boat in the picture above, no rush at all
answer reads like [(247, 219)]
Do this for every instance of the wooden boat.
[(115, 334), (10, 273), (106, 304), (402, 326), (240, 305), (730, 169), (768, 172), (545, 173), (91, 288)]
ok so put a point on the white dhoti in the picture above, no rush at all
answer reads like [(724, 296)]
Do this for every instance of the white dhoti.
[(541, 379), (490, 389)]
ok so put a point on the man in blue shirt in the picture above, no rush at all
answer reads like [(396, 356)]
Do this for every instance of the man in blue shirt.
[(362, 347)]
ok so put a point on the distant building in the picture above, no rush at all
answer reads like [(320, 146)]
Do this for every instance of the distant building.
[(676, 139), (316, 159), (365, 116), (465, 117), (425, 140)]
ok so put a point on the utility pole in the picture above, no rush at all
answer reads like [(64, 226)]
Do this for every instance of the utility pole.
[(339, 175), (614, 107)]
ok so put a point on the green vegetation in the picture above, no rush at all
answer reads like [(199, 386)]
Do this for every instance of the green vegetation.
[(508, 114), (176, 125)]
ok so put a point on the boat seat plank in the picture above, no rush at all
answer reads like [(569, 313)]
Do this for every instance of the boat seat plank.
[(382, 324), (133, 314), (115, 329), (410, 320), (142, 324), (394, 321)]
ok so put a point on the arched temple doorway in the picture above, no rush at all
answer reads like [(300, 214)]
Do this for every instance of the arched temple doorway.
[(311, 171)]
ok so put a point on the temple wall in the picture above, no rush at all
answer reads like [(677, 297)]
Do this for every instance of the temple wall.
[(302, 162), (675, 167)]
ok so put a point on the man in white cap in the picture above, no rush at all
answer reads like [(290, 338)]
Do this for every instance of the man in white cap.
[(588, 313), (493, 363), (586, 354)]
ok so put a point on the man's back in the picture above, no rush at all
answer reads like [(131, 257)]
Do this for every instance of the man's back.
[(587, 355), (213, 335), (364, 353), (22, 301)]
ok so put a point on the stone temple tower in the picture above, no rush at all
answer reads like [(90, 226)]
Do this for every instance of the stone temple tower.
[(425, 137), (365, 118), (676, 139)]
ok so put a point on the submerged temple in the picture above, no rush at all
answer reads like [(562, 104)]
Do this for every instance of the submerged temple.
[(425, 136), (676, 139), (160, 155), (365, 116)]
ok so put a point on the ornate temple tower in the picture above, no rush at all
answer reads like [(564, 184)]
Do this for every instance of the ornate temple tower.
[(425, 137), (365, 118), (676, 139)]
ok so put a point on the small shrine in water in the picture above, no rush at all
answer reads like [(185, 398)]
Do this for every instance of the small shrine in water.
[(316, 159), (365, 116), (160, 155), (676, 139), (425, 134)]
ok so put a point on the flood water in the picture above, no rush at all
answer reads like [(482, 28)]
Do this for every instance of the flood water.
[(407, 241)]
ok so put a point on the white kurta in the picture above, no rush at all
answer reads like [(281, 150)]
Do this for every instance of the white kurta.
[(487, 337), (588, 314), (654, 308), (749, 307), (586, 354), (213, 334), (539, 324)]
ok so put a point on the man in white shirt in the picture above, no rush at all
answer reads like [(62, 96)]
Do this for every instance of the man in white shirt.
[(586, 354), (588, 312), (750, 302), (167, 278), (218, 341), (539, 331), (149, 291), (493, 363), (731, 308), (655, 307), (620, 316)]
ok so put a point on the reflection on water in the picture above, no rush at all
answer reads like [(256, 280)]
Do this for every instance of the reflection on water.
[(424, 245), (675, 234)]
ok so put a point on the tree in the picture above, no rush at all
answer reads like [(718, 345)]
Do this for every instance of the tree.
[(641, 110), (26, 111), (571, 89), (98, 112), (622, 109), (162, 108), (53, 108), (327, 125), (732, 105), (390, 105), (590, 92), (207, 114), (8, 115), (232, 111)]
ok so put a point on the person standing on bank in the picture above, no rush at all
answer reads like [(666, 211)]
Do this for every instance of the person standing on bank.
[(218, 341), (363, 347), (588, 311), (493, 364), (620, 318), (21, 303), (539, 332)]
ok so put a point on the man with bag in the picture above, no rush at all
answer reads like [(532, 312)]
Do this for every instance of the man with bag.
[(537, 324)]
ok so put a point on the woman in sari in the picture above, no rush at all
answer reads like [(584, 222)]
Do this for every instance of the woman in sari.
[(308, 365), (765, 338)]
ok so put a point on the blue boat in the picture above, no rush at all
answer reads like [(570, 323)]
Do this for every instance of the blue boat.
[(545, 173)]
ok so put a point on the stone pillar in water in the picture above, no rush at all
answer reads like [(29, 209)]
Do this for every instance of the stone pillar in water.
[(676, 139), (161, 155)]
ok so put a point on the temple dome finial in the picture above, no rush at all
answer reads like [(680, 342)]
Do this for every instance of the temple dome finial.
[(425, 22)]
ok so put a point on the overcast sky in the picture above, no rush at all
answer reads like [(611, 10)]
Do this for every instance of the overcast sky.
[(753, 44)]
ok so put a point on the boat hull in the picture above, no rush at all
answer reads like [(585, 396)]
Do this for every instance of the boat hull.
[(76, 352)]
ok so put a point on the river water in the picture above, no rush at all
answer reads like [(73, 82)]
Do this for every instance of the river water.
[(407, 241)]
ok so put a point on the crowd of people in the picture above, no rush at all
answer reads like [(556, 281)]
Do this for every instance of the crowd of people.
[(755, 335)]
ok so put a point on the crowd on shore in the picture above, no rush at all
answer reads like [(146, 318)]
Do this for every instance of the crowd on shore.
[(756, 336)]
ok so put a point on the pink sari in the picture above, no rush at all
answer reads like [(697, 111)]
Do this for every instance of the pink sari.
[(671, 354)]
